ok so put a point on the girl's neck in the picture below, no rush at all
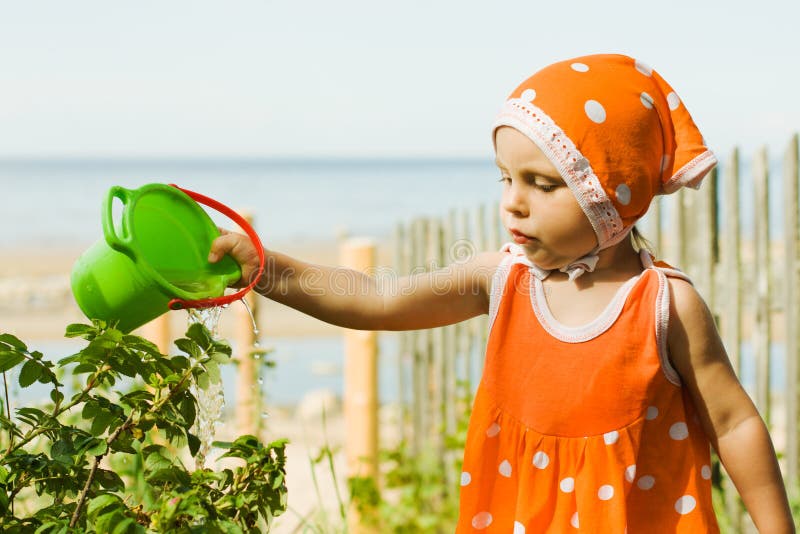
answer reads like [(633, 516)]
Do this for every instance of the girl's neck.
[(618, 262)]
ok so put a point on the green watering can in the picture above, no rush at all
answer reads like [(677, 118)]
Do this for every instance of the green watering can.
[(155, 258)]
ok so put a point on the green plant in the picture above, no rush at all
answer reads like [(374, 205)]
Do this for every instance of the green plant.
[(60, 462)]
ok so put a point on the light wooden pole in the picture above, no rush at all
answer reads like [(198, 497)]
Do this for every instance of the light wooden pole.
[(247, 396), (158, 331), (360, 380)]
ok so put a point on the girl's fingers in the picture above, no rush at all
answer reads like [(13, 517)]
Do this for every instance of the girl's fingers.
[(220, 246)]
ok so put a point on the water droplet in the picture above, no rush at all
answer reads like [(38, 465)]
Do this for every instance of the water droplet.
[(264, 415), (260, 380), (257, 356), (256, 344)]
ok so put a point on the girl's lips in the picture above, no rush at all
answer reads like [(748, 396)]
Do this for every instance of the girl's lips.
[(520, 238)]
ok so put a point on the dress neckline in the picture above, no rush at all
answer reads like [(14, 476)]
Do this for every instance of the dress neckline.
[(595, 327)]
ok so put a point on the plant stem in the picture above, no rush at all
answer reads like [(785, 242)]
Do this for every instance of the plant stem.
[(114, 435), (10, 430)]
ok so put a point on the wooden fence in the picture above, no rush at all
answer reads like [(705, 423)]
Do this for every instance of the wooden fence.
[(747, 275)]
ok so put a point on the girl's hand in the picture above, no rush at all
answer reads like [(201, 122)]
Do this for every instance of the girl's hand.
[(241, 249)]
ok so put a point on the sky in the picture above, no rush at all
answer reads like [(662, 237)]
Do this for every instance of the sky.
[(363, 78)]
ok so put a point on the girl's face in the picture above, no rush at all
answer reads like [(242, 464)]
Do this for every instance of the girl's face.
[(537, 207)]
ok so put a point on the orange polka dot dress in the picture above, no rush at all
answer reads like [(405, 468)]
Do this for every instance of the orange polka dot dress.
[(583, 429)]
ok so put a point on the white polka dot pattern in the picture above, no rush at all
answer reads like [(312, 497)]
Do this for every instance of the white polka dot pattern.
[(466, 478), (574, 520), (505, 469), (705, 472), (630, 473), (611, 437), (647, 100), (580, 67), (646, 482), (644, 68), (493, 430), (519, 528), (528, 95), (652, 413), (482, 520), (685, 504), (567, 485), (595, 111), (673, 101), (623, 193), (541, 460), (679, 431), (605, 493)]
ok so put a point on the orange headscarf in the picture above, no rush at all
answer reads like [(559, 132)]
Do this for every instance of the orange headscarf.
[(617, 133)]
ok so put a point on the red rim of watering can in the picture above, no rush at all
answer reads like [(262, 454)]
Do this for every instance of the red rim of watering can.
[(181, 304)]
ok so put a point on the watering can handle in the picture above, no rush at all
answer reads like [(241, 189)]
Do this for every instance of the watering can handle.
[(180, 304), (114, 241)]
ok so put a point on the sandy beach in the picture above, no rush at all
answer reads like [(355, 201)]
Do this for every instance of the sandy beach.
[(36, 304)]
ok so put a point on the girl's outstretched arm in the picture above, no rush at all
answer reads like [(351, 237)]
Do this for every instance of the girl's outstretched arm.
[(728, 415), (376, 301)]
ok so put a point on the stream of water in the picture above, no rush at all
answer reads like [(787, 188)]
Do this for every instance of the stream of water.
[(210, 401)]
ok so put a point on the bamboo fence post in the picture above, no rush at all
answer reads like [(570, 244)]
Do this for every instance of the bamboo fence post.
[(403, 338), (791, 306), (732, 259), (652, 230), (732, 318), (420, 348), (482, 321), (435, 369), (158, 331), (360, 376), (705, 245), (449, 369), (761, 263), (247, 398), (466, 329)]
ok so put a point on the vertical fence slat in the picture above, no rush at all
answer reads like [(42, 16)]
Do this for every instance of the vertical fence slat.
[(450, 398), (420, 349), (732, 259), (791, 305), (731, 320), (761, 264), (435, 371), (400, 261)]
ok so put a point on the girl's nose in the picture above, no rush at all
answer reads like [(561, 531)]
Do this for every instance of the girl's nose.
[(514, 202)]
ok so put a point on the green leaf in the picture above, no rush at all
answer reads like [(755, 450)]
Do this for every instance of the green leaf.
[(189, 347), (109, 480), (100, 503), (203, 380), (188, 410), (56, 395), (30, 373), (199, 334), (101, 421), (220, 357), (13, 341), (194, 443), (9, 359), (80, 330), (213, 371), (99, 449), (126, 525)]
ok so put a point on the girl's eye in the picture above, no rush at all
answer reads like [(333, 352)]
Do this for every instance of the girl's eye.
[(547, 188)]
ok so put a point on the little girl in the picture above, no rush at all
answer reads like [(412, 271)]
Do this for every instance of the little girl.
[(605, 379)]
